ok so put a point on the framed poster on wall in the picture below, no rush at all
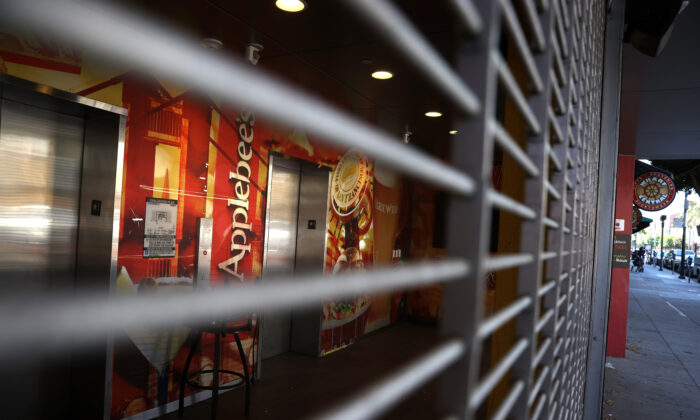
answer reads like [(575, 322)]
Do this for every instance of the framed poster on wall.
[(160, 227)]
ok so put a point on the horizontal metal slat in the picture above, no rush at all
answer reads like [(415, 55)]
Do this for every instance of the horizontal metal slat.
[(506, 142), (501, 317), (503, 262), (552, 408), (546, 288), (560, 343), (555, 389), (544, 320), (550, 223), (556, 91), (560, 30), (565, 14), (569, 162), (406, 38), (553, 158), (378, 398), (558, 135), (577, 28), (540, 405), (576, 50), (469, 14), (574, 94), (494, 376), (548, 255), (558, 63), (509, 402), (557, 365), (540, 353), (503, 202), (552, 191), (513, 26), (511, 86), (534, 23), (568, 184), (49, 322), (538, 385), (184, 60)]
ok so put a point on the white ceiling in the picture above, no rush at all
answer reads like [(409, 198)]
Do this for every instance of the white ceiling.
[(661, 95)]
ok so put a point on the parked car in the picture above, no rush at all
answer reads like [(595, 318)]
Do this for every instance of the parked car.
[(671, 256), (695, 267), (676, 264)]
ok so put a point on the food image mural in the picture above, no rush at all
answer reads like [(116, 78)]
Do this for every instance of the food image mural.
[(349, 247)]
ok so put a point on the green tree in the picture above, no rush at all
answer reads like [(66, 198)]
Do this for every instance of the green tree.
[(693, 214), (672, 242)]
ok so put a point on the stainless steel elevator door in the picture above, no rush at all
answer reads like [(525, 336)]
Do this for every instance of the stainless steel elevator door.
[(280, 246), (295, 241), (41, 160)]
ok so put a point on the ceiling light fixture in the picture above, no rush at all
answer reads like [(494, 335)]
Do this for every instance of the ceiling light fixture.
[(382, 75), (211, 43), (433, 114), (453, 132), (291, 5)]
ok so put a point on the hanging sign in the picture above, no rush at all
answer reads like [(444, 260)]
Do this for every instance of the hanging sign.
[(653, 191), (160, 228), (636, 216)]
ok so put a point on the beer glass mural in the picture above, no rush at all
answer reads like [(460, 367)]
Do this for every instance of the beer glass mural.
[(349, 247)]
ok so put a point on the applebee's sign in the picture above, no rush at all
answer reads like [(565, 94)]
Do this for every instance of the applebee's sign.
[(239, 203)]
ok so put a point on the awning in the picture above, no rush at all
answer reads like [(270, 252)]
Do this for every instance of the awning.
[(643, 224)]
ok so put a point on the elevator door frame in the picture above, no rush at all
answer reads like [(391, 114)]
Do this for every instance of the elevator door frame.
[(100, 179), (309, 314)]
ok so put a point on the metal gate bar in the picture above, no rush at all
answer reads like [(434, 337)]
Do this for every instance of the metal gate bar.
[(560, 44)]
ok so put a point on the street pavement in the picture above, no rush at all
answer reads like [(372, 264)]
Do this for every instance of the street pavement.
[(659, 377)]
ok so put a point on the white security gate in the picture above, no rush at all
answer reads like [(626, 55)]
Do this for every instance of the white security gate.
[(560, 46)]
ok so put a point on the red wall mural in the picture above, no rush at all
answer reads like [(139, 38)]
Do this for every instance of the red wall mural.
[(213, 162)]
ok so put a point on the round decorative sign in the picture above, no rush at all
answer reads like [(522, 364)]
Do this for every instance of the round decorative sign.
[(636, 216), (348, 183), (653, 191)]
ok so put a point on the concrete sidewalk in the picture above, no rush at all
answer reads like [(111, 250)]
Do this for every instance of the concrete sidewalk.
[(659, 377)]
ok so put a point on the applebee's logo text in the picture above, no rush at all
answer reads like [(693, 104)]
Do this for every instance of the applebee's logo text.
[(240, 180)]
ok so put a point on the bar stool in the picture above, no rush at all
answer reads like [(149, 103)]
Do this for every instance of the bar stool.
[(219, 329)]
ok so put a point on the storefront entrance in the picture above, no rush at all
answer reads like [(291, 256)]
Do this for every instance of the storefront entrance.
[(295, 242)]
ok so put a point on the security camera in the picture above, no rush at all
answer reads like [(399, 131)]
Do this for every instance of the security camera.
[(252, 52)]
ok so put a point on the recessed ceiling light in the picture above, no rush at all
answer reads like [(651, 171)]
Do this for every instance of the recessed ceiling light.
[(453, 132), (433, 114), (211, 43), (291, 5), (382, 74)]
